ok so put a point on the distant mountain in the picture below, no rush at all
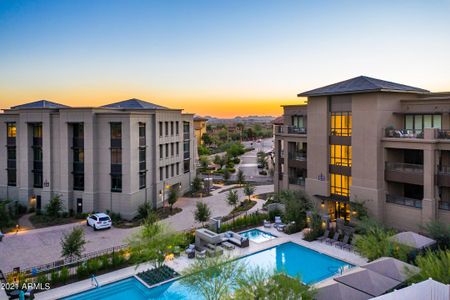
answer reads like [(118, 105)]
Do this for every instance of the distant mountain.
[(238, 119)]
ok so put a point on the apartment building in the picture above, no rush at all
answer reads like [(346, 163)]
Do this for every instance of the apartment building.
[(113, 157), (372, 141), (199, 129)]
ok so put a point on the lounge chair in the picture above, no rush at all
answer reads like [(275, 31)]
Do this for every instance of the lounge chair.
[(201, 254), (228, 246), (278, 221), (324, 236), (333, 240), (349, 246), (190, 251), (344, 241), (267, 224)]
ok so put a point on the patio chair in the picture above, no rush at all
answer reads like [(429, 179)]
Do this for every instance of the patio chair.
[(324, 236), (333, 240), (190, 251), (344, 241), (267, 224), (228, 246), (349, 246), (278, 221)]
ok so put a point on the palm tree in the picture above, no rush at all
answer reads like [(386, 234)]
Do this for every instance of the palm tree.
[(249, 190), (240, 177), (202, 213)]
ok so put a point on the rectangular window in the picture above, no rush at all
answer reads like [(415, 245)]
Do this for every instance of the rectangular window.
[(417, 122), (171, 128), (11, 153), (177, 128), (167, 150), (186, 166), (12, 178), (161, 151), (167, 171), (172, 168), (186, 130), (186, 150), (78, 182), (37, 155), (341, 123), (11, 130), (142, 140), (116, 131), (341, 155), (167, 128), (298, 121), (172, 149), (116, 183), (177, 147), (161, 173), (340, 185), (160, 129), (116, 157), (142, 180), (178, 168)]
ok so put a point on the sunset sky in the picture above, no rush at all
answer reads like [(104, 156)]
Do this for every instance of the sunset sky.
[(220, 58)]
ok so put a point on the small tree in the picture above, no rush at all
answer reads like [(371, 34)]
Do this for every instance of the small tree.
[(233, 199), (202, 213), (196, 185), (204, 162), (173, 197), (54, 207), (249, 190), (226, 175), (240, 177), (219, 160), (72, 244)]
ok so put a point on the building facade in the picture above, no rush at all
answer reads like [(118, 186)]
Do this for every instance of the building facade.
[(113, 157), (372, 141), (199, 129)]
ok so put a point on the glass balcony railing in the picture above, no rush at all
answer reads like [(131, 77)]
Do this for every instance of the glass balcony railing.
[(404, 167), (301, 156), (401, 200), (404, 133), (290, 129)]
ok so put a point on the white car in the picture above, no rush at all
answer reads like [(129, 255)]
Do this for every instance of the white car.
[(99, 221)]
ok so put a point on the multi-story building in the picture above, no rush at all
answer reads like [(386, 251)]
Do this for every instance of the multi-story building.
[(372, 141), (199, 129), (113, 157)]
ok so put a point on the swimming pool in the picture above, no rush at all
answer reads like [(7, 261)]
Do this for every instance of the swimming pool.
[(291, 258), (257, 236)]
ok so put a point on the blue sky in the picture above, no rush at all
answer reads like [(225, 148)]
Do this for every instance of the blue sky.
[(190, 54)]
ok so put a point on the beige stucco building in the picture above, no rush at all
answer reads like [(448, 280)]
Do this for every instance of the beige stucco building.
[(371, 141), (113, 157)]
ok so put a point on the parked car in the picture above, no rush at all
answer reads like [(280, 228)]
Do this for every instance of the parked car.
[(99, 221)]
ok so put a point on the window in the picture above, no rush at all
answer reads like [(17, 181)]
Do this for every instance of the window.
[(161, 173), (167, 128), (161, 151), (116, 131), (11, 153), (172, 146), (186, 150), (142, 180), (142, 155), (11, 130), (298, 121), (37, 155), (167, 171), (186, 166), (167, 150), (116, 182), (12, 178), (341, 155), (172, 168), (37, 131), (116, 156), (142, 134), (177, 147), (37, 179), (419, 122), (341, 123), (177, 128), (160, 129), (78, 156), (186, 130), (171, 128), (78, 182), (340, 185), (178, 168)]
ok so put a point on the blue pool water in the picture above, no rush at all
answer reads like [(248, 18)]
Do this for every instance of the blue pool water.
[(257, 236), (291, 258)]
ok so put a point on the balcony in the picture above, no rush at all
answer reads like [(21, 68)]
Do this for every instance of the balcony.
[(444, 205), (417, 203), (290, 130), (404, 173), (403, 133), (297, 181), (297, 160), (443, 177)]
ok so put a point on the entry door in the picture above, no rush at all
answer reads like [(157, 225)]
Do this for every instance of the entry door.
[(38, 202), (79, 205)]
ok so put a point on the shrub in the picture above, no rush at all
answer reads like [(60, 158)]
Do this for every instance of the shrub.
[(42, 278), (64, 275), (54, 277), (93, 265), (54, 207), (82, 271), (117, 259), (274, 213), (104, 261), (236, 160), (72, 244), (143, 210), (439, 232), (253, 219), (434, 265), (316, 229)]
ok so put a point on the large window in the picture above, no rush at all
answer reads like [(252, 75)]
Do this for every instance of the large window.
[(341, 123), (341, 155), (340, 185), (78, 156), (11, 130), (116, 157), (298, 121), (37, 155), (11, 154), (418, 122), (142, 156)]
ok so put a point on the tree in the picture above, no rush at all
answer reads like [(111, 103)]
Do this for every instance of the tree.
[(173, 197), (439, 232), (296, 205), (434, 265), (213, 278), (153, 241), (5, 217), (233, 199), (219, 160), (203, 150), (54, 207), (240, 177), (197, 184), (207, 139), (202, 213), (72, 244), (226, 175), (204, 162), (249, 190)]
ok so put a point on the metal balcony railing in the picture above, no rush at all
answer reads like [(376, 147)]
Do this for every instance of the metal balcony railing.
[(444, 205), (297, 180), (444, 170), (404, 167), (301, 156), (443, 134), (290, 129), (401, 200), (404, 133)]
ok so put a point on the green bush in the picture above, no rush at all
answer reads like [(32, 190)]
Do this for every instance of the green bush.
[(104, 261), (143, 210), (236, 160), (254, 219), (316, 229), (82, 271), (434, 265), (42, 278), (93, 265), (54, 277), (275, 213), (117, 259), (64, 275)]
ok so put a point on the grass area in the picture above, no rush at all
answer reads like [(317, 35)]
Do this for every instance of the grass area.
[(243, 207), (40, 221), (162, 213)]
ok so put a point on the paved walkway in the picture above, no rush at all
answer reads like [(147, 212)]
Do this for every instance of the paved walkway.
[(40, 246), (24, 221)]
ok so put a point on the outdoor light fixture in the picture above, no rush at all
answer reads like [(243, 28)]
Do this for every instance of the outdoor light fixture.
[(322, 204)]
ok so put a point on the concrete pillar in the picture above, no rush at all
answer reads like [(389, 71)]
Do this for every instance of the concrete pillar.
[(90, 180), (429, 200), (65, 151), (47, 159), (24, 178)]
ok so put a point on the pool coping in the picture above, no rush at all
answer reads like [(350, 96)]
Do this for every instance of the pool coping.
[(111, 277)]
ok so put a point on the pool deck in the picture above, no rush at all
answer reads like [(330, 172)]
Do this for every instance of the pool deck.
[(179, 264)]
